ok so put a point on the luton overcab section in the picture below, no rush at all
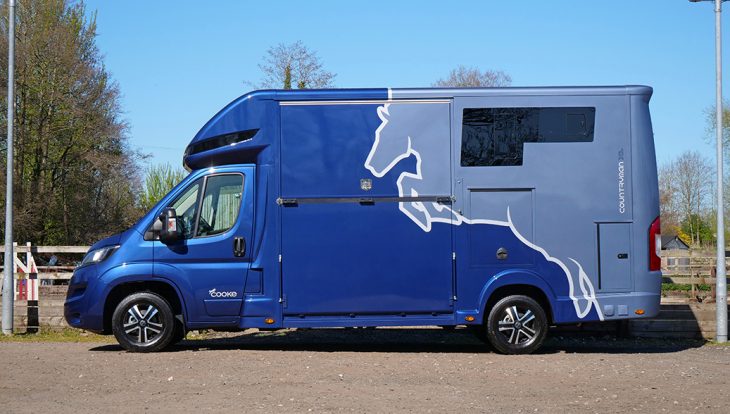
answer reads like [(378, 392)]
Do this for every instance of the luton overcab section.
[(508, 210)]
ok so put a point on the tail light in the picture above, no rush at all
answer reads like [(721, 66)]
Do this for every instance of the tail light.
[(655, 245)]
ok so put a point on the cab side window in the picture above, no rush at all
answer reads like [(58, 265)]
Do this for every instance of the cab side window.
[(220, 205), (186, 207)]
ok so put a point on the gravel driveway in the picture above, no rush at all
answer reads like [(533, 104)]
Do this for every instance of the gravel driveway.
[(362, 370)]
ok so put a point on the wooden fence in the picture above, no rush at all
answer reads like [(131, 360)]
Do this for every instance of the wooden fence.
[(40, 290), (49, 272), (693, 268)]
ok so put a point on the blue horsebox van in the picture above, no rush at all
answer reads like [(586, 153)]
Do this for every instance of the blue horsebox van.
[(505, 209)]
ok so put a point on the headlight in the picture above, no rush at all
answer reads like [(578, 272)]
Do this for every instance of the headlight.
[(98, 255)]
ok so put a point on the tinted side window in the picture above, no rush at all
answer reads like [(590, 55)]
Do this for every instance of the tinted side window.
[(495, 136), (220, 205)]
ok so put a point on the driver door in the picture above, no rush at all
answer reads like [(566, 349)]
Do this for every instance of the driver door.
[(211, 261)]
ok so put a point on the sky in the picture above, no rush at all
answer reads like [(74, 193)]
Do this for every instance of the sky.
[(178, 62)]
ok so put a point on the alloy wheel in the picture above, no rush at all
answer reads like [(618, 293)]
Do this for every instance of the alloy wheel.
[(517, 325), (143, 323)]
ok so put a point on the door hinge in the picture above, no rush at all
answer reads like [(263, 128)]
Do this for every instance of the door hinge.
[(453, 255), (279, 258)]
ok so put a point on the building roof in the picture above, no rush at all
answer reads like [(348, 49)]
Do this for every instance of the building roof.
[(672, 242)]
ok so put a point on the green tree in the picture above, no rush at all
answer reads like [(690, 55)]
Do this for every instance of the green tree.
[(287, 77), (703, 228), (76, 179), (159, 180)]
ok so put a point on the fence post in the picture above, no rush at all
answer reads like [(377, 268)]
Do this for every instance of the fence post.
[(33, 324), (16, 281)]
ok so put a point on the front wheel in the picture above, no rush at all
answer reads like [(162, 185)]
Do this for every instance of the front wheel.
[(516, 325), (143, 322)]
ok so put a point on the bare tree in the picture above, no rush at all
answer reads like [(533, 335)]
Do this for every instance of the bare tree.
[(711, 122), (693, 179), (463, 77), (669, 211), (285, 64), (710, 131)]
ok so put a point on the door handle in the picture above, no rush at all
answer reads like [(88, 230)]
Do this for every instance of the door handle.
[(239, 246)]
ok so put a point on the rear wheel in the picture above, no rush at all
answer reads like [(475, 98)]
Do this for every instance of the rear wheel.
[(516, 325), (143, 322)]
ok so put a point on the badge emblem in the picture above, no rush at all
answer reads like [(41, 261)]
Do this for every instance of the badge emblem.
[(366, 184)]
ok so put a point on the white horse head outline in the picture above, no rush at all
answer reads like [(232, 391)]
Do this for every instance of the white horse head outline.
[(381, 158), (393, 144)]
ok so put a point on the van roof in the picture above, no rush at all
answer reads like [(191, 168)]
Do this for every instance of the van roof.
[(243, 112), (413, 93)]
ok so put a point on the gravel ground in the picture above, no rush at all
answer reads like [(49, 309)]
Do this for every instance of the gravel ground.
[(361, 370)]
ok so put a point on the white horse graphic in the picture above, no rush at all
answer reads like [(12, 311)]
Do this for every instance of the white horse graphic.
[(393, 145)]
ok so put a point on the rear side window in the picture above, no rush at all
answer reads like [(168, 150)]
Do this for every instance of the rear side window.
[(496, 136)]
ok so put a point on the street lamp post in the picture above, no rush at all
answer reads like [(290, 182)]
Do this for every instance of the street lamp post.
[(721, 281), (8, 285)]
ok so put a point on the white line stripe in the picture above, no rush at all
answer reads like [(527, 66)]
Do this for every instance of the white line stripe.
[(363, 102)]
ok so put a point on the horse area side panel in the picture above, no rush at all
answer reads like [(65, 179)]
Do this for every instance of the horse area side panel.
[(346, 257)]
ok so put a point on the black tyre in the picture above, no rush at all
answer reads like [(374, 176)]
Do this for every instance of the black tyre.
[(143, 322), (516, 325)]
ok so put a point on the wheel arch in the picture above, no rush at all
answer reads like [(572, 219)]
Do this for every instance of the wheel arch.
[(161, 287), (518, 283)]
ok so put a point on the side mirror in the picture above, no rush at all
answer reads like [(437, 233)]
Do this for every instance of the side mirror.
[(170, 232)]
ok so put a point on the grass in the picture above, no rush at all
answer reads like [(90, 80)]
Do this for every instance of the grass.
[(57, 335), (49, 334), (676, 287)]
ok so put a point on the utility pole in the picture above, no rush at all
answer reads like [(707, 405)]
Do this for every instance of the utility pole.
[(721, 281), (8, 285)]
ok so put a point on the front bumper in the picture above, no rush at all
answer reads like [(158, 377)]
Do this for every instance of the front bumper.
[(80, 309)]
